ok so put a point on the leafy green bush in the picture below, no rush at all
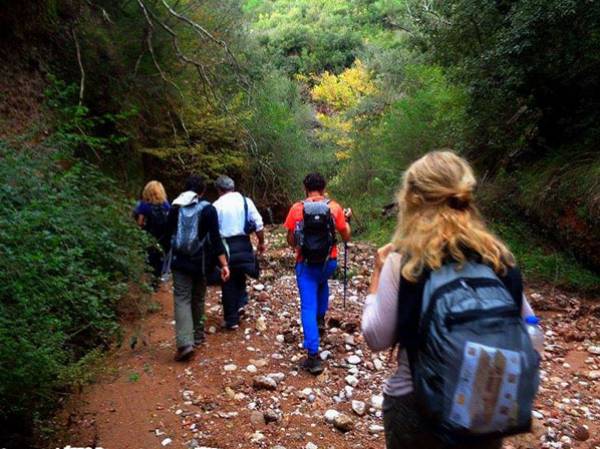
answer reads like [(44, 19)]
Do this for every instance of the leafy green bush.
[(69, 250), (284, 151), (541, 262), (429, 116)]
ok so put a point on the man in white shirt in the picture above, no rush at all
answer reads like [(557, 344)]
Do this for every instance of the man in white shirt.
[(238, 219)]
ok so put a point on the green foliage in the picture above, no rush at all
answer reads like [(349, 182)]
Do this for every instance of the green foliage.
[(76, 131), (541, 262), (530, 70), (429, 116), (69, 250), (284, 151), (310, 37)]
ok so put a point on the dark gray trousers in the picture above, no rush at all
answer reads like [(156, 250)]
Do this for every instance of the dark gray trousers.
[(406, 429), (189, 292)]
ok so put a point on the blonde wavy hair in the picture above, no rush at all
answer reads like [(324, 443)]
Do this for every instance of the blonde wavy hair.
[(438, 220), (154, 193)]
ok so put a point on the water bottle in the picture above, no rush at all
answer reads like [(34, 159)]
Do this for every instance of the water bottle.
[(535, 333)]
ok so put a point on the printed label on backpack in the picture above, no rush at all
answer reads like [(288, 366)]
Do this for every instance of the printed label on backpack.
[(486, 395)]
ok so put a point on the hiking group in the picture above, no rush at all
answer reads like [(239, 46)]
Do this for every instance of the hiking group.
[(445, 294)]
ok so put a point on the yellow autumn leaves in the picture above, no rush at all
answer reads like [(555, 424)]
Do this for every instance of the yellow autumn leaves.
[(336, 96)]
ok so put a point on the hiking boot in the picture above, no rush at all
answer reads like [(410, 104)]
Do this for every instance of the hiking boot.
[(199, 340), (321, 326), (230, 327), (312, 364), (184, 353)]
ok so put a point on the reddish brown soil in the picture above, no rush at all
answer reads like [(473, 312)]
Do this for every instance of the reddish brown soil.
[(120, 413), (140, 400)]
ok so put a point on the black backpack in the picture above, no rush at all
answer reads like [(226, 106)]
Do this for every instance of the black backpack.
[(156, 221), (316, 236)]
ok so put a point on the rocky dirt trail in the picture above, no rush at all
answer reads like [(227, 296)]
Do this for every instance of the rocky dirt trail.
[(243, 389)]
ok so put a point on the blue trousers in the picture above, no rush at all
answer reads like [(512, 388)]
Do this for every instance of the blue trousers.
[(314, 299)]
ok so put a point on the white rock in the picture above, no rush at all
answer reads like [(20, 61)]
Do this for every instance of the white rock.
[(325, 355), (593, 375), (257, 437), (353, 360), (306, 392), (375, 428), (212, 330), (166, 442), (251, 369), (280, 338), (310, 445), (230, 367), (537, 415), (377, 401), (261, 324), (348, 391), (259, 287), (378, 364), (359, 407), (277, 377), (594, 350), (352, 381), (330, 415)]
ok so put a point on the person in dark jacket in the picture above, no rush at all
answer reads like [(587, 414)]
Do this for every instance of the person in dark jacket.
[(189, 272), (150, 214), (238, 219)]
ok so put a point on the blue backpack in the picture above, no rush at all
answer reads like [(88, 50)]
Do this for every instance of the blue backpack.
[(475, 372)]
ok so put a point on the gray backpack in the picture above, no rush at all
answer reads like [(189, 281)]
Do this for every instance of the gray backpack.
[(185, 240), (475, 372)]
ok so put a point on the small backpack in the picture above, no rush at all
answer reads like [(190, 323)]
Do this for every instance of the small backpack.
[(315, 235), (185, 240), (475, 372), (156, 221)]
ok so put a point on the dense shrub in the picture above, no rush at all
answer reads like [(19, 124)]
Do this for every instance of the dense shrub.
[(429, 116), (284, 149), (68, 251)]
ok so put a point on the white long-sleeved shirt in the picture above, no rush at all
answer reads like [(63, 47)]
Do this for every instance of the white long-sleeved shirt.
[(230, 208), (379, 319)]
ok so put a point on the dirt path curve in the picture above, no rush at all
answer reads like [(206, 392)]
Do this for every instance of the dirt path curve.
[(146, 400)]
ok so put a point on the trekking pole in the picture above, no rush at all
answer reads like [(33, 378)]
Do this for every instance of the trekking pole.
[(346, 269), (345, 272)]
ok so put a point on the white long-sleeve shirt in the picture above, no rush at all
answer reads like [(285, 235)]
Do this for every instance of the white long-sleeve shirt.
[(230, 208)]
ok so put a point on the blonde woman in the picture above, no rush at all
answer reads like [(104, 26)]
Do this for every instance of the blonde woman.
[(438, 223), (151, 215)]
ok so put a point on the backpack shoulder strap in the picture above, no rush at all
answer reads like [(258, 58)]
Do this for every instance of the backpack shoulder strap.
[(410, 298)]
